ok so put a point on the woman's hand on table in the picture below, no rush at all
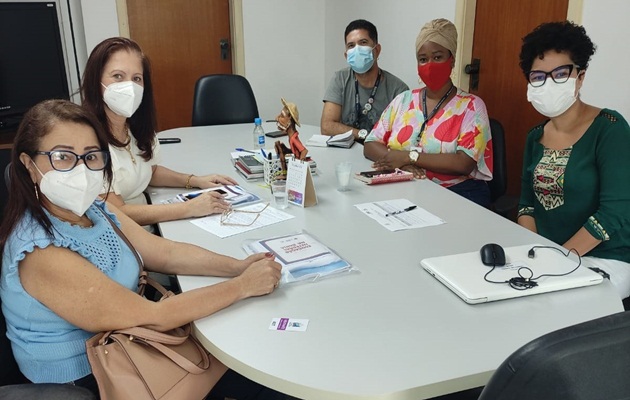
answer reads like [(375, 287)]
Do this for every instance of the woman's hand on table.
[(207, 203), (212, 180), (392, 159), (418, 172), (261, 276)]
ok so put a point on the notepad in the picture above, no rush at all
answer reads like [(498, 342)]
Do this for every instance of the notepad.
[(345, 140)]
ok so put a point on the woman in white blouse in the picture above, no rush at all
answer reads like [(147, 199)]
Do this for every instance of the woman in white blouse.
[(117, 88)]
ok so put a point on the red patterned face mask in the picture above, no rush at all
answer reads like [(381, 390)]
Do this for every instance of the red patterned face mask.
[(434, 74)]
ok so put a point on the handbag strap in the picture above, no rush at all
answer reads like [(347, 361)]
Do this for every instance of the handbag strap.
[(144, 279)]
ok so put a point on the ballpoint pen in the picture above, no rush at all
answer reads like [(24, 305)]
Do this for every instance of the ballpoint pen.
[(401, 211), (246, 151), (263, 153)]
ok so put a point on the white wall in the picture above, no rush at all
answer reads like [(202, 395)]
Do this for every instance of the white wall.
[(607, 82), (284, 54), (100, 20)]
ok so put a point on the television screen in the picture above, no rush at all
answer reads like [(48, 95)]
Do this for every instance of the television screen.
[(32, 65)]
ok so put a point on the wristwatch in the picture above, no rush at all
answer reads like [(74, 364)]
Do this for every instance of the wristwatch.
[(413, 155), (363, 133)]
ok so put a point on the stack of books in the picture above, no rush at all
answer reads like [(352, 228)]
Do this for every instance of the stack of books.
[(250, 166)]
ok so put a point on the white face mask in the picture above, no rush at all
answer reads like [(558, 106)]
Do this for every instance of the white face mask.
[(123, 98), (552, 99), (73, 190)]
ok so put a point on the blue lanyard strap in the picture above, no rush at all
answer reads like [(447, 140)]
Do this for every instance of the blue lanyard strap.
[(368, 106)]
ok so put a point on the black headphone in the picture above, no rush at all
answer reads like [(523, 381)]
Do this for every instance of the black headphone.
[(522, 282)]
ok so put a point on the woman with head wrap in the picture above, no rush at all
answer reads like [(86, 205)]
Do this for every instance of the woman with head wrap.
[(438, 130)]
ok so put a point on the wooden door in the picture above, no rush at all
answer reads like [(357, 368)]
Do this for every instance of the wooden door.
[(500, 26), (183, 42)]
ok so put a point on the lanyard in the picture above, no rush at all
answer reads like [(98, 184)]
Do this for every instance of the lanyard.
[(368, 106), (435, 110)]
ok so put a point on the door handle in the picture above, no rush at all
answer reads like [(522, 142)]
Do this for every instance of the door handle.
[(472, 69), (224, 45)]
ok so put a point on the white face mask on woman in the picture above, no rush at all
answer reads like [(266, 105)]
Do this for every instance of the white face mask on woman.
[(73, 190), (552, 99), (123, 98)]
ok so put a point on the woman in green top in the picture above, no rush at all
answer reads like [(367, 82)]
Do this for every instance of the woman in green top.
[(576, 167)]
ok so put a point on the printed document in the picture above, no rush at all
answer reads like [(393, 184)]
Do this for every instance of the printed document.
[(256, 216), (392, 214)]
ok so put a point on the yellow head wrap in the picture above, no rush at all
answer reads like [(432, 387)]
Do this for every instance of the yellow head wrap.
[(440, 31)]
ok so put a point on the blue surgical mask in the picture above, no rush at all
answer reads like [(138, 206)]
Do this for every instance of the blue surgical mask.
[(360, 58)]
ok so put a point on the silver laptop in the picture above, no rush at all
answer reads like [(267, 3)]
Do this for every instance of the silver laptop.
[(464, 273)]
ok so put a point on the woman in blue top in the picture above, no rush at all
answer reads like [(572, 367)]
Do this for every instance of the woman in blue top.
[(66, 274)]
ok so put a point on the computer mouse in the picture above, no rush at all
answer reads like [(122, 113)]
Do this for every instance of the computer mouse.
[(492, 255)]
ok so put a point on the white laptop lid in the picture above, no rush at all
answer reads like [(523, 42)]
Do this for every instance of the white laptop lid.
[(464, 273)]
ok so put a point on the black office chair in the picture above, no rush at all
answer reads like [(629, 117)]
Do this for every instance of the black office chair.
[(501, 203), (587, 361), (223, 99), (14, 386)]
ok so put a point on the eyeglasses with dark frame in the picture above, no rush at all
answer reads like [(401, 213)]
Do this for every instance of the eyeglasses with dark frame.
[(66, 160), (559, 74), (232, 212)]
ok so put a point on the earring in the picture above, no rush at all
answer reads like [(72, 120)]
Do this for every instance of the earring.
[(36, 191)]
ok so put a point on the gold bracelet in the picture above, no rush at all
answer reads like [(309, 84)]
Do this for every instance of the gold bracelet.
[(188, 181)]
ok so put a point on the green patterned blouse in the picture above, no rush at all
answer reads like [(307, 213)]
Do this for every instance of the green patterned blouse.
[(585, 185)]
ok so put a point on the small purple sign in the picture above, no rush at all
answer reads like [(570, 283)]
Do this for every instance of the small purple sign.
[(283, 324)]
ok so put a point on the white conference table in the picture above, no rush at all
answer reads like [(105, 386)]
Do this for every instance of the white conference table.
[(388, 331)]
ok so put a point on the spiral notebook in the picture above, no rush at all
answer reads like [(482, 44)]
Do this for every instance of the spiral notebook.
[(464, 273)]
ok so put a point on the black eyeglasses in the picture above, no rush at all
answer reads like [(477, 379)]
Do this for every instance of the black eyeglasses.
[(66, 160), (559, 74)]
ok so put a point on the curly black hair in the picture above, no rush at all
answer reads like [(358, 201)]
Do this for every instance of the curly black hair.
[(562, 36)]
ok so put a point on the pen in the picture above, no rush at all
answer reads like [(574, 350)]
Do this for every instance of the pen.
[(271, 120), (169, 140), (263, 153), (401, 211), (246, 151), (191, 196)]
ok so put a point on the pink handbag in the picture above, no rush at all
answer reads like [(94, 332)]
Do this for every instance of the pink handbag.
[(140, 363)]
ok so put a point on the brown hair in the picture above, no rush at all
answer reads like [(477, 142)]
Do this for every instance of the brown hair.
[(143, 122), (37, 123)]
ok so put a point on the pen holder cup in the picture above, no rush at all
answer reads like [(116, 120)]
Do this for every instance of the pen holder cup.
[(271, 168)]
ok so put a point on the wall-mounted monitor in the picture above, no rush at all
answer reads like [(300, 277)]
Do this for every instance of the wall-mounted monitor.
[(32, 58)]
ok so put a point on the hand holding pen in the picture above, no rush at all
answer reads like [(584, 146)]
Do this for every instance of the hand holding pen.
[(401, 211)]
